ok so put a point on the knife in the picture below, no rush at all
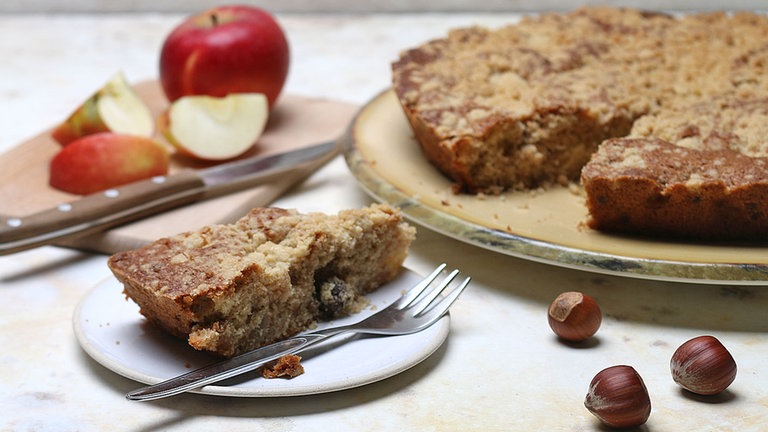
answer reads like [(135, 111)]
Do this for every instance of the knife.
[(99, 211)]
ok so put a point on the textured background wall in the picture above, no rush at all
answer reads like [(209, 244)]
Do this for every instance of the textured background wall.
[(359, 6)]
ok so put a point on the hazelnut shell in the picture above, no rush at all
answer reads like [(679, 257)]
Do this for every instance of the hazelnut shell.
[(702, 365), (574, 316), (618, 397)]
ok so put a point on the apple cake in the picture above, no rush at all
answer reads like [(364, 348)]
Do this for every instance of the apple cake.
[(643, 95), (231, 288)]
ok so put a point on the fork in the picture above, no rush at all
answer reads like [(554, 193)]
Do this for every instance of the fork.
[(413, 312)]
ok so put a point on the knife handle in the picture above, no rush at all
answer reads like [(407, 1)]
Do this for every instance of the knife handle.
[(99, 211)]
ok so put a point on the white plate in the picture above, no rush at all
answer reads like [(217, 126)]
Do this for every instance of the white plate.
[(111, 330)]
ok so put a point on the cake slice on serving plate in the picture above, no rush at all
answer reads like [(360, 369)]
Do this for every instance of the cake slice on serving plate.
[(698, 171)]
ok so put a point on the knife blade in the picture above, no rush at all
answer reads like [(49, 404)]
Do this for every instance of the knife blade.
[(113, 207)]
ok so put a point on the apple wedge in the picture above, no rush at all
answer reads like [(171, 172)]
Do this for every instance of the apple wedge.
[(115, 107), (105, 160), (215, 128)]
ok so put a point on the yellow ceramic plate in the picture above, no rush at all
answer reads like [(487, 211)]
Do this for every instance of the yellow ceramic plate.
[(546, 226)]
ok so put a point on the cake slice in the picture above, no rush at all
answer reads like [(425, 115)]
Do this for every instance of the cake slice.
[(649, 186), (232, 288), (692, 171)]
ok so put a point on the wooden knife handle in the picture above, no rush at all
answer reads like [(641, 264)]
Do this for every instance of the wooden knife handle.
[(99, 211)]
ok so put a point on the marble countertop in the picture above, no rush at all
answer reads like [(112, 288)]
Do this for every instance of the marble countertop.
[(501, 368)]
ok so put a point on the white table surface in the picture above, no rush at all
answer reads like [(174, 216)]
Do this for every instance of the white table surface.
[(501, 367)]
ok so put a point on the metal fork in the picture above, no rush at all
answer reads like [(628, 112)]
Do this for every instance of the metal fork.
[(416, 310)]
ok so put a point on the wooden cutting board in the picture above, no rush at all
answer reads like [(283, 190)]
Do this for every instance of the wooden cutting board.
[(295, 122)]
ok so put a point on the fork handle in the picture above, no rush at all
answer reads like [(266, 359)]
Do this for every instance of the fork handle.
[(222, 370), (231, 367)]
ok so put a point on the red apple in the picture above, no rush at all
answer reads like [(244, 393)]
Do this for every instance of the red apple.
[(227, 49), (105, 160)]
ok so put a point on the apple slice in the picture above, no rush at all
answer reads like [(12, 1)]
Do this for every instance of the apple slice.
[(105, 160), (215, 128), (115, 107)]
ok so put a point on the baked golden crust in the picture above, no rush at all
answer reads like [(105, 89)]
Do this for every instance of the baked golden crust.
[(274, 273), (527, 105)]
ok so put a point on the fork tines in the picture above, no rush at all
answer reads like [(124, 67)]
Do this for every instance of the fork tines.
[(422, 299)]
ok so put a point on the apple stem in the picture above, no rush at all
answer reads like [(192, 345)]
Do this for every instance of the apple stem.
[(214, 19)]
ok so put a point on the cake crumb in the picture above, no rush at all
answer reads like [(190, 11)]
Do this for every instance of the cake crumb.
[(287, 366)]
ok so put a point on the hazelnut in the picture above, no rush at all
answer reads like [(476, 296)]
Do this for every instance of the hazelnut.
[(574, 316), (703, 366), (618, 397)]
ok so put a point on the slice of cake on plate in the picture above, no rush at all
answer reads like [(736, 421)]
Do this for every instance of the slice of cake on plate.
[(232, 288)]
